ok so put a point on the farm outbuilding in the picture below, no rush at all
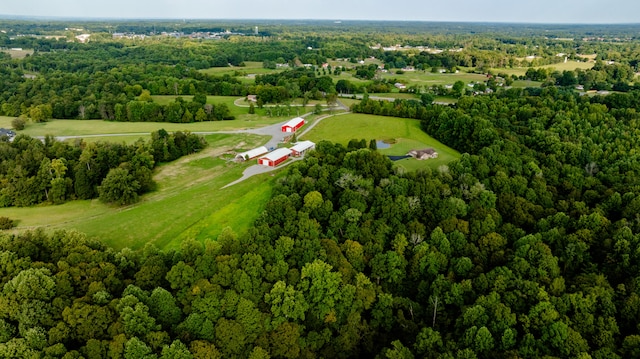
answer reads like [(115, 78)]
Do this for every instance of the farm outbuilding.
[(424, 154), (274, 158), (244, 156), (293, 125), (300, 148)]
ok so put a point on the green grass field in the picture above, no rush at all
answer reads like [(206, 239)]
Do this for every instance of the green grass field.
[(95, 127), (188, 202), (568, 66), (250, 68), (406, 133), (423, 78), (19, 54), (526, 83)]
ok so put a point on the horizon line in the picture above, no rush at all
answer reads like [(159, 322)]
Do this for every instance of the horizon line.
[(337, 20)]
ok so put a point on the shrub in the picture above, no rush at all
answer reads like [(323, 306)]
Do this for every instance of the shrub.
[(7, 223), (18, 124)]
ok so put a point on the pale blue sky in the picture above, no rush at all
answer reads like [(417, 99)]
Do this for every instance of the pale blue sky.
[(540, 11)]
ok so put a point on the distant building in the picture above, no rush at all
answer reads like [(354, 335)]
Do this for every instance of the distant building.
[(274, 158), (424, 154), (83, 38), (252, 98), (10, 134), (300, 148), (293, 125), (400, 86)]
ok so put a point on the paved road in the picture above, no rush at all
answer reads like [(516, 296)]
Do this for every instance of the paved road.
[(271, 130), (275, 131)]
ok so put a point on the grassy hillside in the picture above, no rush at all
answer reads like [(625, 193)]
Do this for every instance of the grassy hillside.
[(406, 134), (188, 202)]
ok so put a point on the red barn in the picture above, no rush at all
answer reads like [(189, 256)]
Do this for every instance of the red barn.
[(274, 158), (293, 125)]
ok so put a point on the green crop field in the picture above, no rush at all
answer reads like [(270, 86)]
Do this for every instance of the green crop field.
[(188, 202), (405, 132)]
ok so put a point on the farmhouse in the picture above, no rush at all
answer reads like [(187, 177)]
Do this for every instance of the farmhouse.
[(10, 134), (424, 154), (274, 158), (300, 148), (293, 125), (244, 156)]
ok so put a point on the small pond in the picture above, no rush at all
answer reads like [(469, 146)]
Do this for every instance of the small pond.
[(380, 144)]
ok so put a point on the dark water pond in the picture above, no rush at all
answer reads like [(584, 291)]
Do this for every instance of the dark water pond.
[(398, 158)]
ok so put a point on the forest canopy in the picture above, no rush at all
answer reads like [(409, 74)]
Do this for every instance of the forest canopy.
[(527, 246)]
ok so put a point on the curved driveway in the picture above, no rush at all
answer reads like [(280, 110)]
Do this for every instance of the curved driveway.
[(274, 131)]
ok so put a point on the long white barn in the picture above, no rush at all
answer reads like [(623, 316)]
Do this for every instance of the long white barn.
[(251, 153)]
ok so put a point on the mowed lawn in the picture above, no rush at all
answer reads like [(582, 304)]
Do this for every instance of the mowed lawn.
[(188, 202), (562, 66), (405, 132), (426, 78), (249, 68), (134, 130)]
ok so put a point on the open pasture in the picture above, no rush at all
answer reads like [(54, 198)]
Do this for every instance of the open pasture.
[(562, 66), (428, 79), (406, 134), (188, 202), (18, 53), (250, 68)]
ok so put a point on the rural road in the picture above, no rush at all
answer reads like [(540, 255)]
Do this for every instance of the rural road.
[(274, 131), (391, 99)]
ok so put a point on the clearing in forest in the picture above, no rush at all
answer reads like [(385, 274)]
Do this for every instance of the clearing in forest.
[(404, 135)]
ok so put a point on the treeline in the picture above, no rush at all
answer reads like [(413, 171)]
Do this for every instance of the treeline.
[(527, 246), (613, 76), (96, 95), (288, 85), (34, 171), (178, 110)]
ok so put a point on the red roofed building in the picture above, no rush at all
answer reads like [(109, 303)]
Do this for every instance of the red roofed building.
[(274, 158), (293, 125)]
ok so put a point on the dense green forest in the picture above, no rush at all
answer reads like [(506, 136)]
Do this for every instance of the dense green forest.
[(34, 171), (525, 247)]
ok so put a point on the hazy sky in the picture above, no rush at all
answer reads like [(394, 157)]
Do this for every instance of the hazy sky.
[(540, 11)]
